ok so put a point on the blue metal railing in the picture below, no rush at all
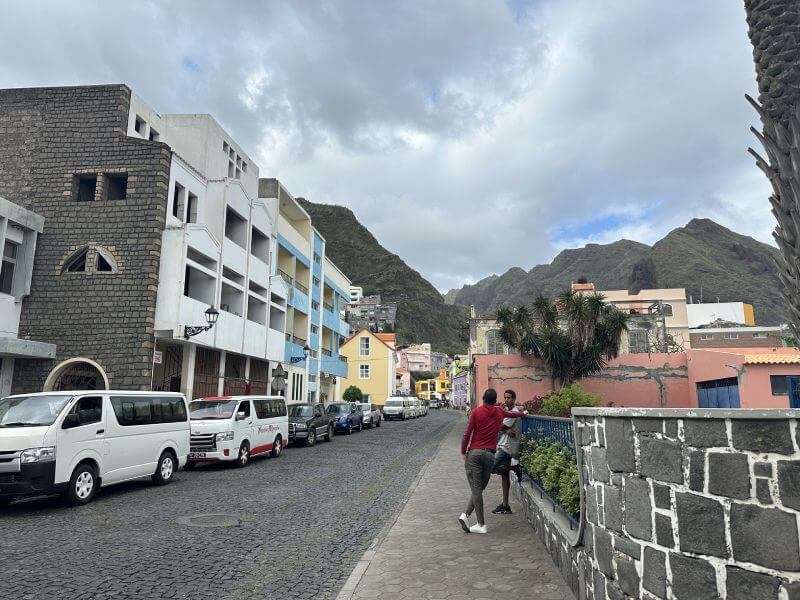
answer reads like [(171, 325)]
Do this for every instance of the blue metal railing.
[(558, 429)]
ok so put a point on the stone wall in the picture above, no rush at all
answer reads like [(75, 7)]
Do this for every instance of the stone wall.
[(681, 504), (47, 137)]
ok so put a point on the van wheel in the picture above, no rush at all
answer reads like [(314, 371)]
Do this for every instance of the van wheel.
[(244, 455), (82, 485), (165, 469), (311, 437), (330, 434), (277, 447)]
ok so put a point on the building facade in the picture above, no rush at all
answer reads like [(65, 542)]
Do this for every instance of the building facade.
[(734, 336), (439, 361), (370, 312), (734, 312), (416, 357), (460, 391), (372, 363)]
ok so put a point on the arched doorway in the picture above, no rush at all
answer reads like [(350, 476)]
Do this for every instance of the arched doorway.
[(77, 374)]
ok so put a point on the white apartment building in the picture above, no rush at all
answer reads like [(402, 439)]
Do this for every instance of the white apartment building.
[(218, 250), (19, 229), (356, 294)]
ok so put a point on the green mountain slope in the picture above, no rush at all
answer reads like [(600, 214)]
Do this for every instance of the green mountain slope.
[(422, 315), (727, 265)]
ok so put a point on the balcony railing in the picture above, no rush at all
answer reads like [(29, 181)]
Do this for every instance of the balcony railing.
[(299, 341), (342, 358), (301, 287), (328, 306), (326, 352), (286, 277)]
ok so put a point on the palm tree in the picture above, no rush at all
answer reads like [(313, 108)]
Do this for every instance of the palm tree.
[(774, 28), (574, 336)]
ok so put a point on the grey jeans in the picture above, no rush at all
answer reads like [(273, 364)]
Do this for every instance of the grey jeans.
[(479, 470)]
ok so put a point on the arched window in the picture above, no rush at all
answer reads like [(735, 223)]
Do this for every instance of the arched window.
[(90, 259), (77, 374), (667, 310)]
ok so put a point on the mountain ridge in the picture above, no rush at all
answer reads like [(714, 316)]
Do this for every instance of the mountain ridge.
[(702, 256)]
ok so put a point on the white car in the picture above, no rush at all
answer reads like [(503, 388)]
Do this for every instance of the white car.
[(372, 414), (397, 407), (237, 428), (422, 408), (74, 442)]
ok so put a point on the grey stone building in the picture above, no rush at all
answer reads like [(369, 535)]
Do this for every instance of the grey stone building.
[(64, 155), (370, 313)]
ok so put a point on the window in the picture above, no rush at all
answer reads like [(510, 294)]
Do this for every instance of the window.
[(147, 410), (317, 410), (89, 410), (225, 147), (244, 406), (317, 258), (315, 305), (10, 250), (730, 336), (779, 384), (140, 125), (154, 136), (363, 345), (102, 264), (84, 187), (77, 262), (760, 335), (314, 329), (244, 167), (706, 336), (637, 341), (363, 371), (177, 201), (191, 208), (316, 282), (494, 344), (312, 378), (116, 186)]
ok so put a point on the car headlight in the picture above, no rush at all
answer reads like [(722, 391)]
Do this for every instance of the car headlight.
[(34, 455), (301, 425), (225, 437)]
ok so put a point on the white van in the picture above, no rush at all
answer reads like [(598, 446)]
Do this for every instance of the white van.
[(74, 442), (397, 407), (237, 428)]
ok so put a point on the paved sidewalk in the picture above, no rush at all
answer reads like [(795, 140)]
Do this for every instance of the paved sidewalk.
[(426, 555)]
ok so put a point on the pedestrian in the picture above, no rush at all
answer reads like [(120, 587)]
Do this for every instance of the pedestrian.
[(508, 448), (478, 448)]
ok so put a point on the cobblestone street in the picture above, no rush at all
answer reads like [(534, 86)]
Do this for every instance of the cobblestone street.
[(295, 527)]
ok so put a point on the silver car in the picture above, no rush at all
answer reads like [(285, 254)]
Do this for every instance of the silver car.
[(372, 414)]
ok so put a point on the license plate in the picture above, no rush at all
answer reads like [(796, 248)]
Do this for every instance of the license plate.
[(197, 454)]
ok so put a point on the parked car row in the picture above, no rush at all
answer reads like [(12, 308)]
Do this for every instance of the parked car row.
[(75, 442), (404, 407)]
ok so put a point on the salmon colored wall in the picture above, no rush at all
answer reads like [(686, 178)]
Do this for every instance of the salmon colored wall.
[(637, 380)]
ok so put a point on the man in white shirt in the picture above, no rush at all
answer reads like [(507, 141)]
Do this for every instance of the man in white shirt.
[(507, 448)]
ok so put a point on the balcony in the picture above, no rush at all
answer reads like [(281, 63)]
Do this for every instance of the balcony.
[(301, 287), (334, 366), (275, 345), (286, 277), (279, 287), (299, 301), (259, 271), (234, 257), (326, 352), (255, 339)]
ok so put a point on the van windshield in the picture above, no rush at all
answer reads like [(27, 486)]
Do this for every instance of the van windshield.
[(394, 403), (31, 411), (211, 409)]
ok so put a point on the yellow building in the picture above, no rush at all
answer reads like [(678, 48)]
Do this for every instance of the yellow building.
[(438, 388), (372, 363)]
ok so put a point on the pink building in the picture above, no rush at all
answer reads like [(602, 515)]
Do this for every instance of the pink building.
[(403, 381), (416, 357), (729, 378)]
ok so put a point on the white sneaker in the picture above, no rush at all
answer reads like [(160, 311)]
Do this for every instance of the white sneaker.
[(477, 528), (464, 521)]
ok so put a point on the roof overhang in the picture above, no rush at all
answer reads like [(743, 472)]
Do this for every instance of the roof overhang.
[(17, 348)]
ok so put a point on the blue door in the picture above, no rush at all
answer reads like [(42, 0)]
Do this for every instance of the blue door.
[(793, 385), (719, 393)]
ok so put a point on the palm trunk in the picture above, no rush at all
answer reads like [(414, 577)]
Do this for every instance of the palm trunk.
[(774, 30)]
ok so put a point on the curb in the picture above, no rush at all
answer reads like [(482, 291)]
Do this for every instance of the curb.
[(346, 593)]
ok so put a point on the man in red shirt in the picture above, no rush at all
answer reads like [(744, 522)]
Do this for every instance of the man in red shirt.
[(477, 448)]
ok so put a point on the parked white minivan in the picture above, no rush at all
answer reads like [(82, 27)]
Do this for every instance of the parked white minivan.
[(74, 442), (397, 407), (237, 428)]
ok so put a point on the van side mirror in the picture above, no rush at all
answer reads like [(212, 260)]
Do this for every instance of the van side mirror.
[(240, 415), (70, 421)]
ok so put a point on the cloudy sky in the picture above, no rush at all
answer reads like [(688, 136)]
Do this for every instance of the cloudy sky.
[(469, 136)]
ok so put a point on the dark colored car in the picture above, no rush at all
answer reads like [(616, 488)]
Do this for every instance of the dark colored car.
[(347, 416), (309, 422)]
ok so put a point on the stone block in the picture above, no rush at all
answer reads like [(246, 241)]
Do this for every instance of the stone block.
[(619, 445), (651, 425), (789, 483), (764, 536), (599, 464), (671, 428), (599, 585), (762, 469), (763, 491), (729, 475), (628, 547), (660, 459), (638, 508), (697, 470), (705, 433), (747, 585), (613, 592), (654, 572), (762, 436), (591, 506), (628, 577), (693, 578), (664, 535), (792, 590), (603, 552), (661, 496), (701, 525), (612, 508)]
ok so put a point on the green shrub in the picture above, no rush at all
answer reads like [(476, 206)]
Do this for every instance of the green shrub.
[(569, 493), (559, 403), (352, 394), (553, 467)]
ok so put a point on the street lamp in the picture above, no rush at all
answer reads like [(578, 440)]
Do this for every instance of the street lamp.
[(212, 314), (297, 359)]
